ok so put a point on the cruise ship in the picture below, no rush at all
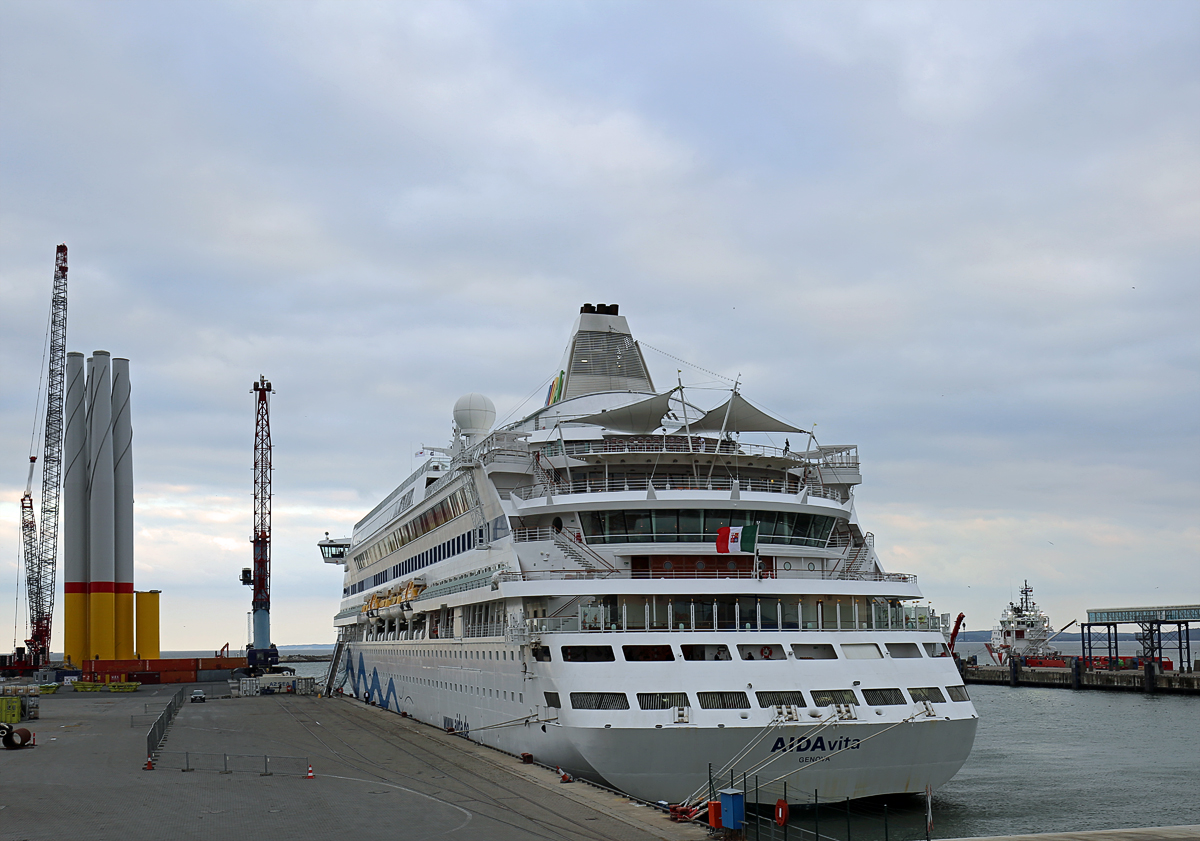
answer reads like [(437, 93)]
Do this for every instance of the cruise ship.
[(623, 586)]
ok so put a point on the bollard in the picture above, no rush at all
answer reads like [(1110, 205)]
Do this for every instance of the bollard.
[(187, 765), (225, 763), (266, 771)]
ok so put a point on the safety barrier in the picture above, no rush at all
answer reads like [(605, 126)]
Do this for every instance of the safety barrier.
[(235, 763), (158, 731)]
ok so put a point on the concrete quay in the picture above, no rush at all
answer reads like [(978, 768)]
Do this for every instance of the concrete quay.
[(1167, 683), (376, 774)]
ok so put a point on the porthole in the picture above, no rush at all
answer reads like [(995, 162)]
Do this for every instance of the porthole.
[(731, 565), (699, 564), (668, 565), (787, 564), (811, 565)]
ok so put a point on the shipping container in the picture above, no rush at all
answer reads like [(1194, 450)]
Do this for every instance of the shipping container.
[(177, 677)]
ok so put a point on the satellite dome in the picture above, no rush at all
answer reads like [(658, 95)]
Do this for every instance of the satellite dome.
[(474, 414)]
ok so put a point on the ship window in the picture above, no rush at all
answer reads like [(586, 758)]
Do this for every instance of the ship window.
[(903, 650), (588, 653), (599, 701), (641, 653), (761, 652), (662, 700), (861, 651), (883, 697), (788, 698), (936, 649), (813, 651), (723, 700), (828, 697), (540, 653), (932, 694), (705, 652), (958, 693)]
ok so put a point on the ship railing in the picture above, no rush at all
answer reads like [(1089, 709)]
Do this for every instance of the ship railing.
[(584, 625), (673, 483), (766, 540), (842, 457), (820, 575)]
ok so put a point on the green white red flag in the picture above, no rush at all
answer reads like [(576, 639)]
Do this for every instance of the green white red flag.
[(737, 539)]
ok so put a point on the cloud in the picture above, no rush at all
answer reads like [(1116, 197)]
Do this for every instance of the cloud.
[(959, 236)]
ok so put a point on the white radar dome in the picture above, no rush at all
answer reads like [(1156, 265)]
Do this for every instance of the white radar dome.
[(474, 414)]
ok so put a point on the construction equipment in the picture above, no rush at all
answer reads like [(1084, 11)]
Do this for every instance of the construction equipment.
[(41, 549), (954, 634), (261, 654)]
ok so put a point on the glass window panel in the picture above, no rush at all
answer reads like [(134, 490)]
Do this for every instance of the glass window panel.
[(593, 523), (691, 522), (714, 521), (614, 524), (639, 523), (766, 523), (666, 525)]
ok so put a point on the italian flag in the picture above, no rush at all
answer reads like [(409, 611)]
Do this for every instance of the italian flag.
[(737, 539)]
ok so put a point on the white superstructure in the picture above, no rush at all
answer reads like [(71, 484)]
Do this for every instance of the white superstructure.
[(1024, 630), (554, 587)]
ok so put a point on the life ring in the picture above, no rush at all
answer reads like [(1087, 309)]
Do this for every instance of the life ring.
[(764, 653), (781, 812)]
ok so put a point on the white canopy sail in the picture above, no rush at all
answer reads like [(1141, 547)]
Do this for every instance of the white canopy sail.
[(738, 415), (642, 417)]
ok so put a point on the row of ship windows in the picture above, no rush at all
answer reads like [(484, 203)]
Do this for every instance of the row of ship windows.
[(480, 691), (448, 549), (452, 654), (672, 525), (452, 506), (739, 701), (751, 651)]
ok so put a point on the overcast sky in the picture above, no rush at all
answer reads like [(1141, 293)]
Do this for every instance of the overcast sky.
[(960, 235)]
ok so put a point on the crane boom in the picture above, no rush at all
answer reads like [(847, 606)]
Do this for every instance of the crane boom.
[(41, 549)]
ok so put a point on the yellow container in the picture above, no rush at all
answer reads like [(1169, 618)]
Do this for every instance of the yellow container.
[(10, 710)]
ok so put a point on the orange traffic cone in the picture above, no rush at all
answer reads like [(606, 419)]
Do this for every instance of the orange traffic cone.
[(310, 776), (149, 764)]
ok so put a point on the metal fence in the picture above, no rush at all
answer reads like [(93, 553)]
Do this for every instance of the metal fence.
[(158, 731), (235, 763)]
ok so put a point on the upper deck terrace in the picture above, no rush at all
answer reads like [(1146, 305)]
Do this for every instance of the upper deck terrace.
[(598, 485)]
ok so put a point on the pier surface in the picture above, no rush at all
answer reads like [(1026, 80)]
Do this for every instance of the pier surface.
[(375, 773)]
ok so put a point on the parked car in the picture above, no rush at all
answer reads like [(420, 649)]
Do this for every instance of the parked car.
[(197, 696)]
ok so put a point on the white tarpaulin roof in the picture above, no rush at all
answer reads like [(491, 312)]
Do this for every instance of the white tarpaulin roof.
[(742, 417), (641, 417)]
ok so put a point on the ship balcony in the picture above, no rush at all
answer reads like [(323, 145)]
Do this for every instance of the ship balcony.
[(677, 489), (731, 614)]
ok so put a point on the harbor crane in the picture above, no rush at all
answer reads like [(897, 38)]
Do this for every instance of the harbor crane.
[(260, 653), (40, 549)]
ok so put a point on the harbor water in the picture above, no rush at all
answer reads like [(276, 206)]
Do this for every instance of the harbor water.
[(1047, 760)]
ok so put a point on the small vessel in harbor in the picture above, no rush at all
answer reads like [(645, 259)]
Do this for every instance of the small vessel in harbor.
[(1024, 630), (622, 585)]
